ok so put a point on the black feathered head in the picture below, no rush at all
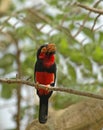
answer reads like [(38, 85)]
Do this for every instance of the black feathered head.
[(46, 49)]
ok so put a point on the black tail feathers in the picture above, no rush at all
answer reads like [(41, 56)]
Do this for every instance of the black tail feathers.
[(43, 110)]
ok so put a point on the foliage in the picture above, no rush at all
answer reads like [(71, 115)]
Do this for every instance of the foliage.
[(79, 45)]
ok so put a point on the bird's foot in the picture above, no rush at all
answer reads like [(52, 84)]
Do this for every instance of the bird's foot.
[(36, 85), (47, 88)]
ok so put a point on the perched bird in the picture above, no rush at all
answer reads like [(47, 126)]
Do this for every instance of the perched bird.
[(45, 73)]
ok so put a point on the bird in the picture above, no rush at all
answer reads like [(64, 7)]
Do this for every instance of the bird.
[(45, 73)]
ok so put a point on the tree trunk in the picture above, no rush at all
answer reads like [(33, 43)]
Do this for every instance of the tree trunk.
[(86, 115)]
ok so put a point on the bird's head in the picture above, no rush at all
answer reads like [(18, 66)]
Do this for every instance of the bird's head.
[(46, 50)]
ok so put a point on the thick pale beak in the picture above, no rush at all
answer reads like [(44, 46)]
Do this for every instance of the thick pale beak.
[(49, 49)]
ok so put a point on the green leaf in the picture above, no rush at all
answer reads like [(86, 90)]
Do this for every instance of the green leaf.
[(89, 33), (87, 63), (23, 31), (100, 39), (64, 47), (6, 60), (71, 72), (88, 49), (76, 56), (7, 90), (28, 65), (98, 55)]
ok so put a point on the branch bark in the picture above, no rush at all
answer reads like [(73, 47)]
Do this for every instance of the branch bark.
[(86, 19), (86, 115), (61, 89), (19, 85), (99, 11)]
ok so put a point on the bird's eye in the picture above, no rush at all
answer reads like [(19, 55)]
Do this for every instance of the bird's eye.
[(44, 50)]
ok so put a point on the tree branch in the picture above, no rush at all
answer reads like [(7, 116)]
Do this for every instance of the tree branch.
[(86, 19), (85, 115), (99, 11), (18, 91), (61, 89)]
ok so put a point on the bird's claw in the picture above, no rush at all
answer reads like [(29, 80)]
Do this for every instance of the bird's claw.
[(36, 85), (47, 88)]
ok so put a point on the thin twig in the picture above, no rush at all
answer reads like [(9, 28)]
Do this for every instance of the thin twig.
[(95, 22), (86, 19), (96, 29), (82, 26), (60, 89), (99, 11)]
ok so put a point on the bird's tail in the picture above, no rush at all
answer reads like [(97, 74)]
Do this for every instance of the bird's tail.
[(43, 110)]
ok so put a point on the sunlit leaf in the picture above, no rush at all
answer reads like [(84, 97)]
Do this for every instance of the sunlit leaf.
[(89, 49), (98, 55), (76, 56)]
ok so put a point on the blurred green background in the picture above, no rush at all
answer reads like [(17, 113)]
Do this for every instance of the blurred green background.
[(78, 35)]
